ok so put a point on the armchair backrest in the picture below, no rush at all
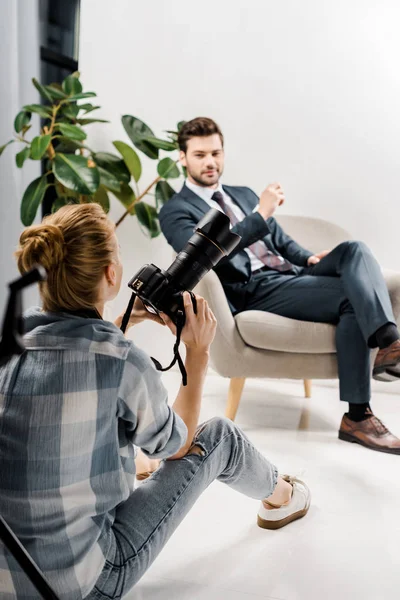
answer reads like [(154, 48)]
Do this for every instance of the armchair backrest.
[(313, 234)]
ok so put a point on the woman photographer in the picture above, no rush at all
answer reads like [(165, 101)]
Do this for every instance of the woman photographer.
[(74, 404)]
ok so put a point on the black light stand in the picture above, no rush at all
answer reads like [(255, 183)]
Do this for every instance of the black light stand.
[(10, 344)]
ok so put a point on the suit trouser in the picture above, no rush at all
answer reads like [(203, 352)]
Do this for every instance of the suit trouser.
[(347, 289)]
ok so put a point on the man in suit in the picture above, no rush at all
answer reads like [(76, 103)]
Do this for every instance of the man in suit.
[(269, 271)]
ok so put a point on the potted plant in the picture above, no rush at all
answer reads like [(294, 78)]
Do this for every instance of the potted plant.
[(80, 174)]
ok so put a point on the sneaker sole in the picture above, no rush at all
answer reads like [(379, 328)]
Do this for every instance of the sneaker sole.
[(348, 437), (264, 524)]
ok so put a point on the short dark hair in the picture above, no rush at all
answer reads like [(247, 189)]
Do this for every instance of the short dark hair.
[(198, 127)]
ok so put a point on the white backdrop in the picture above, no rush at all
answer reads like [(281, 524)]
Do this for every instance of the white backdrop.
[(19, 51), (306, 93)]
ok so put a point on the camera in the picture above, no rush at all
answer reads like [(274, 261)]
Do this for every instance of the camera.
[(161, 291)]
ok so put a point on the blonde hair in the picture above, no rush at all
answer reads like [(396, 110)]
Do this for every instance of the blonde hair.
[(74, 245)]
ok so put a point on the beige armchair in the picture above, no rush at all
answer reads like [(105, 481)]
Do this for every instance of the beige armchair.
[(255, 343)]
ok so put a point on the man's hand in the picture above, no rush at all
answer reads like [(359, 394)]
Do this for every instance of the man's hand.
[(270, 199), (313, 260), (138, 314)]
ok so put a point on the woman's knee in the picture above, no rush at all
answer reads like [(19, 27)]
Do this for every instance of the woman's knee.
[(221, 424), (214, 430)]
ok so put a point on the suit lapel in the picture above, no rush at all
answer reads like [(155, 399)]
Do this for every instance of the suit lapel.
[(194, 199)]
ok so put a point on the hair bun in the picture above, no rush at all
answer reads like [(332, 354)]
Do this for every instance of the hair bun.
[(43, 245)]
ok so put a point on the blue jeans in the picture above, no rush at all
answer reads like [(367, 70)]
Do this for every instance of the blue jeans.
[(145, 522)]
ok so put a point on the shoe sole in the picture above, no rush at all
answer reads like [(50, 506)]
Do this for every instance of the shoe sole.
[(387, 372), (264, 524), (348, 437)]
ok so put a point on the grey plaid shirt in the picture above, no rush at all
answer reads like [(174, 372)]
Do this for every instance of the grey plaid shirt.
[(71, 408)]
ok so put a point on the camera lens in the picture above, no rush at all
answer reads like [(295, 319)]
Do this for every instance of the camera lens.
[(210, 242)]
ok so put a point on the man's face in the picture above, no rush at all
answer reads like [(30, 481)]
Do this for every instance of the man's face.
[(204, 160)]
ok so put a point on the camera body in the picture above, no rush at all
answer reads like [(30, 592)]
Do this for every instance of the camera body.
[(158, 292), (161, 291)]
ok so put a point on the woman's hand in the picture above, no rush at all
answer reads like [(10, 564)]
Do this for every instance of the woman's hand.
[(199, 330), (138, 314)]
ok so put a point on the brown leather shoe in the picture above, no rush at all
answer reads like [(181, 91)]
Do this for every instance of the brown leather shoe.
[(387, 363), (370, 433)]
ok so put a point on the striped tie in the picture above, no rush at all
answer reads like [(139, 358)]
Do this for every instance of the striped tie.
[(259, 249)]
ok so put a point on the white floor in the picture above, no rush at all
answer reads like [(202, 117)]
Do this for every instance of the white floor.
[(347, 548)]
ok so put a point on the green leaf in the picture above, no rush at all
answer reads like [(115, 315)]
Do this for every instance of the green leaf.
[(126, 196), (88, 107), (180, 125), (31, 199), (70, 111), (25, 129), (63, 191), (2, 148), (21, 157), (168, 169), (42, 90), (147, 216), (43, 111), (62, 201), (138, 132), (50, 92), (77, 173), (164, 192), (131, 159), (83, 95), (71, 85), (55, 91), (72, 131), (113, 164), (21, 120), (89, 121), (173, 135), (101, 197), (67, 146), (39, 145), (109, 180), (161, 144)]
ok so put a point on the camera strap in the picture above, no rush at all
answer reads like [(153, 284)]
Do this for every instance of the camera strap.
[(180, 323)]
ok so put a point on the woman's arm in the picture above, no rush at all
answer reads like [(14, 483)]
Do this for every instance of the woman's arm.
[(149, 422), (188, 401), (197, 335)]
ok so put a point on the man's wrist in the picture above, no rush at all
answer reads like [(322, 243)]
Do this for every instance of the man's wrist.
[(264, 213)]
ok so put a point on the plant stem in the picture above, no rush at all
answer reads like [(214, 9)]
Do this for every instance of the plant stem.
[(126, 213), (51, 152)]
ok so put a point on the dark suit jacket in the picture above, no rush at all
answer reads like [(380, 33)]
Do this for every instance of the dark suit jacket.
[(180, 215)]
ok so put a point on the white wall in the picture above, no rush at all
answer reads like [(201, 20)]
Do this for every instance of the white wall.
[(306, 93), (19, 51)]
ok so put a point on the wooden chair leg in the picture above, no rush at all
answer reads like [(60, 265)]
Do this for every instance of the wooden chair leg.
[(307, 387), (234, 395)]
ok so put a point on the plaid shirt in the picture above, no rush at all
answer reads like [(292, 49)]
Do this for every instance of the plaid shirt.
[(71, 408)]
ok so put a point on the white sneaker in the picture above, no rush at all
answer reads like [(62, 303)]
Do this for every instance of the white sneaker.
[(279, 516)]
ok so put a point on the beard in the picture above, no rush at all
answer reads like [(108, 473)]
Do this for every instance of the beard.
[(205, 180)]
